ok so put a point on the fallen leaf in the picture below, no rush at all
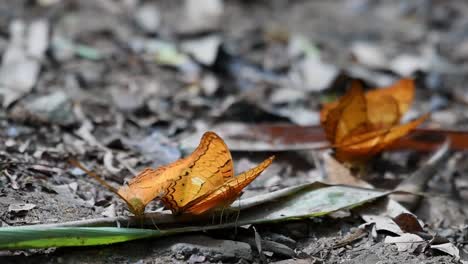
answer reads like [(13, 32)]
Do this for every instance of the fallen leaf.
[(285, 137), (406, 64), (148, 17), (406, 242), (204, 50), (391, 216), (383, 223), (337, 173), (54, 108), (408, 223), (417, 181), (263, 137), (108, 157), (448, 248), (21, 62), (109, 211), (317, 75), (298, 202), (369, 55), (200, 16), (17, 208)]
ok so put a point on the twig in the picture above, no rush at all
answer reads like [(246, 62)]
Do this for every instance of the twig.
[(417, 182), (85, 133)]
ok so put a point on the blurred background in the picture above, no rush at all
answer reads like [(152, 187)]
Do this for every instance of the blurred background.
[(134, 66)]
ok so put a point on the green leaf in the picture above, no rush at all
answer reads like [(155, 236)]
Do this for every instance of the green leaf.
[(305, 201), (37, 237), (300, 202)]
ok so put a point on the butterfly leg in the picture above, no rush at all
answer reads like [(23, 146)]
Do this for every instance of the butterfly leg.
[(213, 217), (223, 209), (221, 216), (128, 223), (154, 224), (236, 221)]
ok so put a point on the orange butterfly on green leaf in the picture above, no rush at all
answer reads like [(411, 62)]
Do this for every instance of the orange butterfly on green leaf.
[(201, 182)]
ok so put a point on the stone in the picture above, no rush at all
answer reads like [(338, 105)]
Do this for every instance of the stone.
[(54, 108), (213, 249)]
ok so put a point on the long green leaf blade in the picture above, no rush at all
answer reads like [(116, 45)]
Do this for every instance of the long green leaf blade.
[(33, 237)]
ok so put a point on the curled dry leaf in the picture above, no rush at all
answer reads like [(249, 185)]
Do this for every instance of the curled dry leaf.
[(406, 242), (408, 223), (199, 183), (360, 125)]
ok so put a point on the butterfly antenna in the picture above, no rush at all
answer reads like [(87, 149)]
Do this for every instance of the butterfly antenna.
[(77, 164)]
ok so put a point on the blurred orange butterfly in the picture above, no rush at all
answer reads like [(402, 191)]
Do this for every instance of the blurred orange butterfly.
[(199, 183), (361, 125)]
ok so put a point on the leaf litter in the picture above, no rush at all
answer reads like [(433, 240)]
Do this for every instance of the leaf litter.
[(103, 64)]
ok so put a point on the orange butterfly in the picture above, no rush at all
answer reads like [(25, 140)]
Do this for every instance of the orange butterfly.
[(201, 182), (206, 181), (361, 125)]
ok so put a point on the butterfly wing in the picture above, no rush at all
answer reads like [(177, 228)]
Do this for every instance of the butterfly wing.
[(383, 112), (350, 114), (360, 125), (207, 168), (147, 186), (227, 193), (402, 91), (370, 143)]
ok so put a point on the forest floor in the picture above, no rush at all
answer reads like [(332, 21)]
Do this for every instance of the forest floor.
[(120, 84)]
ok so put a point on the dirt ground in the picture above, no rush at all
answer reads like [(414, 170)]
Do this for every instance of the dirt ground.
[(120, 84)]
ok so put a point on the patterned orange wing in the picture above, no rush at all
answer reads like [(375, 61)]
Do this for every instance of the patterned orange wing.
[(207, 168), (227, 193), (180, 182), (349, 115), (147, 186)]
